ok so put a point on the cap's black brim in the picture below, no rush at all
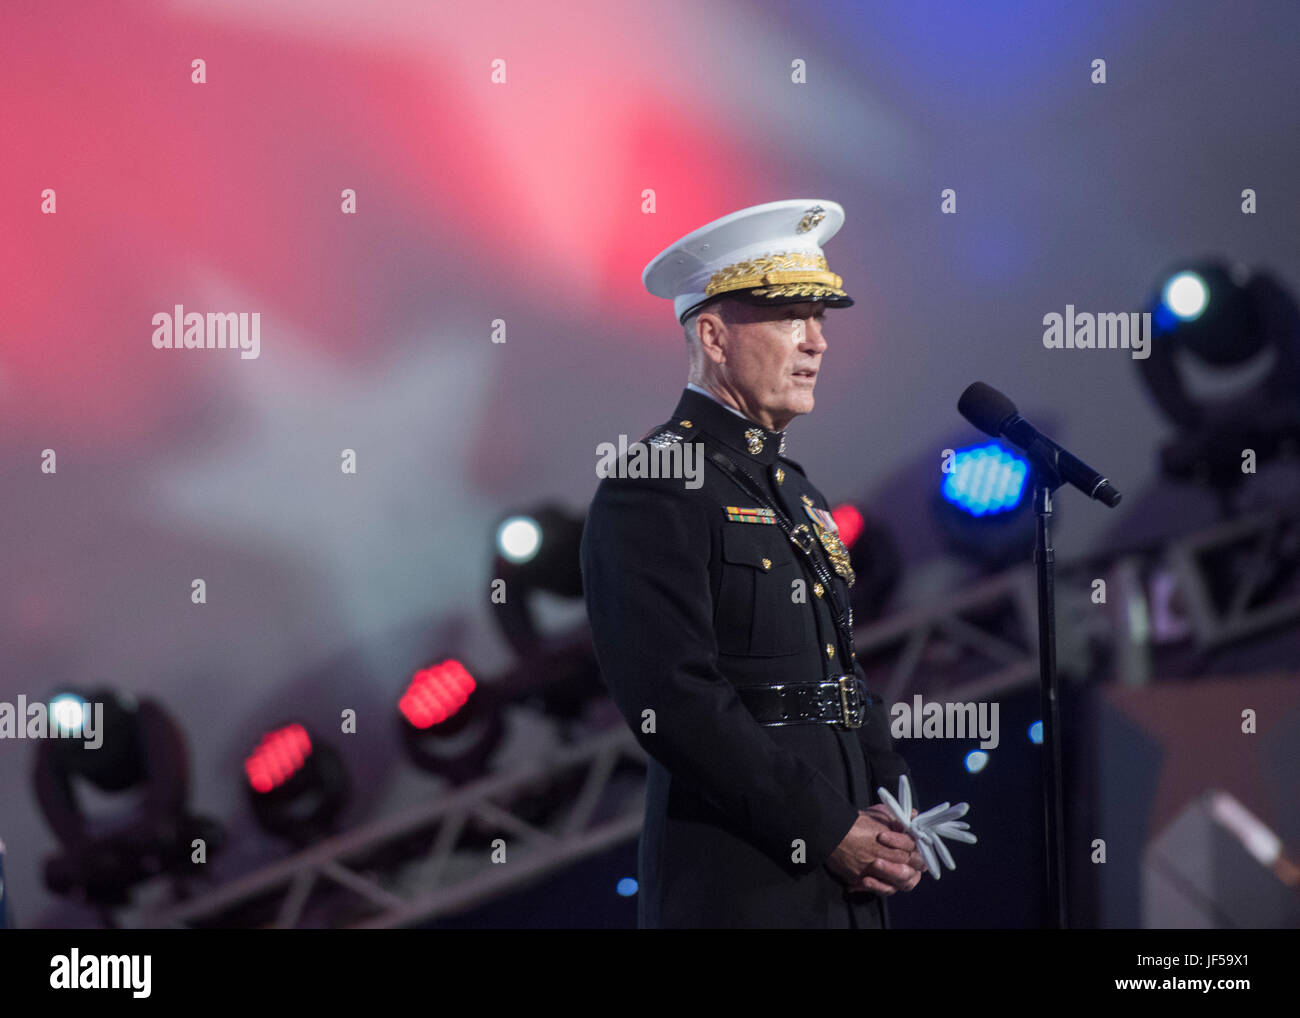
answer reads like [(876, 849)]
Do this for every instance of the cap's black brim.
[(749, 297)]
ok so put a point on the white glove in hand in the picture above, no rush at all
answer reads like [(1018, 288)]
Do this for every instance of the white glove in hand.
[(928, 829)]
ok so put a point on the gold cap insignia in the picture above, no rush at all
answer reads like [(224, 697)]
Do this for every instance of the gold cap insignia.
[(811, 218)]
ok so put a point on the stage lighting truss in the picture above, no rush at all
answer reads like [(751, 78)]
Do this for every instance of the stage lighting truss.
[(355, 879), (1235, 580)]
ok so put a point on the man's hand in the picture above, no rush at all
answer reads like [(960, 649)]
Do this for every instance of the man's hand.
[(886, 816), (875, 856)]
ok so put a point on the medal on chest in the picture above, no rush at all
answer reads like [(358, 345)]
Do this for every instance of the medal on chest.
[(829, 537)]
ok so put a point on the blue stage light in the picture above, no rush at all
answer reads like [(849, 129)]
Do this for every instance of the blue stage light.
[(627, 887), (1036, 733), (986, 479), (976, 760)]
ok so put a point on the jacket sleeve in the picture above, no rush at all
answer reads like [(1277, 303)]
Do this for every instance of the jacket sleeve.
[(645, 566), (880, 749)]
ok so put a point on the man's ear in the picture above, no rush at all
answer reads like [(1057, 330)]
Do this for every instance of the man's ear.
[(711, 331)]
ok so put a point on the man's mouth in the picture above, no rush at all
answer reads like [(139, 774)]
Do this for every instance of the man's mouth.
[(806, 373)]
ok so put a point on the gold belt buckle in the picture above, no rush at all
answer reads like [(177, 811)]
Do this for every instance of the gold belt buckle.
[(852, 718)]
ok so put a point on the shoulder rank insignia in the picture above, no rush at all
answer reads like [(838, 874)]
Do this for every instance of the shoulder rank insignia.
[(665, 439), (739, 514)]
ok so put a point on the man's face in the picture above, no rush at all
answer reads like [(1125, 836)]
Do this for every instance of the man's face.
[(768, 358)]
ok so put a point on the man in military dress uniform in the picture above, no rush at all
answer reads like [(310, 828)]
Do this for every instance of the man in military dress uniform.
[(720, 611)]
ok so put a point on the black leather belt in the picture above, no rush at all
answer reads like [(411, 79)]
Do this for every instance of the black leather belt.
[(842, 700)]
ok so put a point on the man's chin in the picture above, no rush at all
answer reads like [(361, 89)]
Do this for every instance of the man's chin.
[(796, 404)]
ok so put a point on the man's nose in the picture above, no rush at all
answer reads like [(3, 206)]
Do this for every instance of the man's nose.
[(813, 341)]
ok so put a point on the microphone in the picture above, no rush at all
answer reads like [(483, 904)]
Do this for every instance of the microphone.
[(995, 415)]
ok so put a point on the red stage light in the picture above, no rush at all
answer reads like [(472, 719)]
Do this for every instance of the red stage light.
[(436, 693), (849, 520), (278, 757)]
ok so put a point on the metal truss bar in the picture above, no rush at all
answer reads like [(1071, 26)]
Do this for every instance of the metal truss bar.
[(292, 906), (993, 647), (1186, 558), (444, 844), (592, 787), (355, 882), (1254, 575), (511, 824), (1004, 680), (896, 627), (498, 878), (905, 668)]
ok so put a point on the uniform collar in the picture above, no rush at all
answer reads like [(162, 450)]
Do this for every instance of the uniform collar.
[(698, 412), (705, 392)]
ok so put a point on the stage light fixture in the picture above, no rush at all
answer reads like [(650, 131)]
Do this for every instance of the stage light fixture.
[(518, 538), (1224, 367), (450, 724), (436, 693), (112, 783), (1185, 296), (986, 479), (296, 784), (68, 714), (874, 558), (848, 518), (535, 552), (982, 507)]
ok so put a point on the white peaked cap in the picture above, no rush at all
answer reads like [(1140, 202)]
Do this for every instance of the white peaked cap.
[(766, 254)]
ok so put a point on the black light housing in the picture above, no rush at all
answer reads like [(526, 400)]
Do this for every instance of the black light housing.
[(140, 748), (1224, 367)]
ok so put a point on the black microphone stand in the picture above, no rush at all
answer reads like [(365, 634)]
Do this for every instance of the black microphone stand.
[(1046, 480)]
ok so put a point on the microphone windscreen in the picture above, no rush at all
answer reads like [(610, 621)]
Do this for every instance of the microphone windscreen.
[(986, 408)]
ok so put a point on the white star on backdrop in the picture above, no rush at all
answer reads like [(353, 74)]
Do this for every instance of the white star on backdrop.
[(401, 538)]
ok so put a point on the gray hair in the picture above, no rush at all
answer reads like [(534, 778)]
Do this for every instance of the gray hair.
[(720, 307)]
